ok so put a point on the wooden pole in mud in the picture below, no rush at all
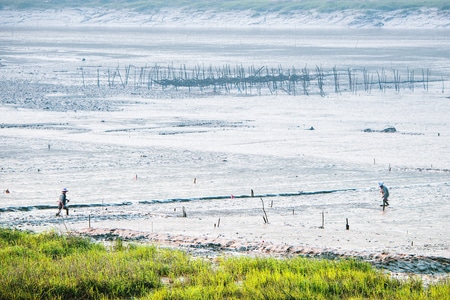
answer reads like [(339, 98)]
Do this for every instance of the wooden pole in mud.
[(349, 71), (89, 221), (82, 75), (336, 80), (266, 219), (347, 227), (323, 221)]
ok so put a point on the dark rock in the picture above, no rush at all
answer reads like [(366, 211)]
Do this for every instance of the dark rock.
[(389, 129)]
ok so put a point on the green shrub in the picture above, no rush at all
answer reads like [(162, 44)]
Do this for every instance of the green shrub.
[(51, 266)]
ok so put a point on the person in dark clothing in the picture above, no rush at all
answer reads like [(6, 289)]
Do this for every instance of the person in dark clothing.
[(384, 193), (62, 202)]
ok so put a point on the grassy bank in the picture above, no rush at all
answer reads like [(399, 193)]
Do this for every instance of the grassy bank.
[(50, 266), (283, 6)]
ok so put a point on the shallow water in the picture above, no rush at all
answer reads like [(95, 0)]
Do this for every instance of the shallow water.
[(47, 54)]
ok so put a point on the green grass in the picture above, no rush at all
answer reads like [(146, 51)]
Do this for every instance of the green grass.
[(51, 266), (283, 6)]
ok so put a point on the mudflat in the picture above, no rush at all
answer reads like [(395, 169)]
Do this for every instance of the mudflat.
[(217, 170)]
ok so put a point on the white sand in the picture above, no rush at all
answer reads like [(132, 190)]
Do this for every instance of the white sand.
[(178, 18)]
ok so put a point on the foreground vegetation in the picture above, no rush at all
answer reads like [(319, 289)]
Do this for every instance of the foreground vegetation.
[(51, 266), (282, 6)]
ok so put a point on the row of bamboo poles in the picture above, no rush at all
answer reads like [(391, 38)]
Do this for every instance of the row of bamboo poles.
[(253, 80)]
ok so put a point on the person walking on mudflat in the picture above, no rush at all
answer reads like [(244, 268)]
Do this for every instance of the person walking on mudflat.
[(62, 202), (384, 193)]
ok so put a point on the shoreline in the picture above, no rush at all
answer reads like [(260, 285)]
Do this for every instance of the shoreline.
[(395, 263)]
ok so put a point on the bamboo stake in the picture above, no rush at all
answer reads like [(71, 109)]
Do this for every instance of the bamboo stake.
[(265, 218)]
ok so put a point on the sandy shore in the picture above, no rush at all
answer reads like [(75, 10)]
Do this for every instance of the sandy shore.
[(428, 268), (173, 18)]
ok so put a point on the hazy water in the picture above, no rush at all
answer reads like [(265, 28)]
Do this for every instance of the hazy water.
[(63, 48)]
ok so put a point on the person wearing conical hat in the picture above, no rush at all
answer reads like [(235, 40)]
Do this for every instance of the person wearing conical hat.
[(62, 202)]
